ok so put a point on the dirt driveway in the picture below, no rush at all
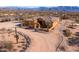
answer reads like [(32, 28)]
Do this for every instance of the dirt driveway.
[(40, 42)]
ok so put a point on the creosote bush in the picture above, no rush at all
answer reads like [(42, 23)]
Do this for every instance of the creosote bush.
[(71, 26), (73, 41), (64, 16), (67, 32), (77, 20), (6, 45)]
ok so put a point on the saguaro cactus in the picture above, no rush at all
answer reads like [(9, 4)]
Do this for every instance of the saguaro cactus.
[(16, 35)]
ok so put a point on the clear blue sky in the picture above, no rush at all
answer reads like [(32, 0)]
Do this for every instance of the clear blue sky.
[(39, 2)]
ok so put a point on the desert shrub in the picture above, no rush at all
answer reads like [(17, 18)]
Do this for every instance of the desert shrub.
[(49, 24), (77, 20), (67, 32), (77, 34), (62, 48), (71, 26), (3, 50), (64, 17), (6, 45), (73, 41), (29, 16)]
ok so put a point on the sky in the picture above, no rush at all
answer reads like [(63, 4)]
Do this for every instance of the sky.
[(39, 3)]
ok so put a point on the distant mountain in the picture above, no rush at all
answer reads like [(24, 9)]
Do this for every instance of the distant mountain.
[(59, 8)]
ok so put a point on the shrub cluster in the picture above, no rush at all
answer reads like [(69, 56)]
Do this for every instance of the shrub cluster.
[(67, 32)]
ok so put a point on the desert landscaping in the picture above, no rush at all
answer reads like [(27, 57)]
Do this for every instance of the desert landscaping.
[(38, 31)]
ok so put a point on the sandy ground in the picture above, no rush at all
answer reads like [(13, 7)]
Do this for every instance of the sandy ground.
[(46, 41), (42, 41), (9, 36)]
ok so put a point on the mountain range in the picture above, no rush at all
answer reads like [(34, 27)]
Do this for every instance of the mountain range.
[(58, 8)]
